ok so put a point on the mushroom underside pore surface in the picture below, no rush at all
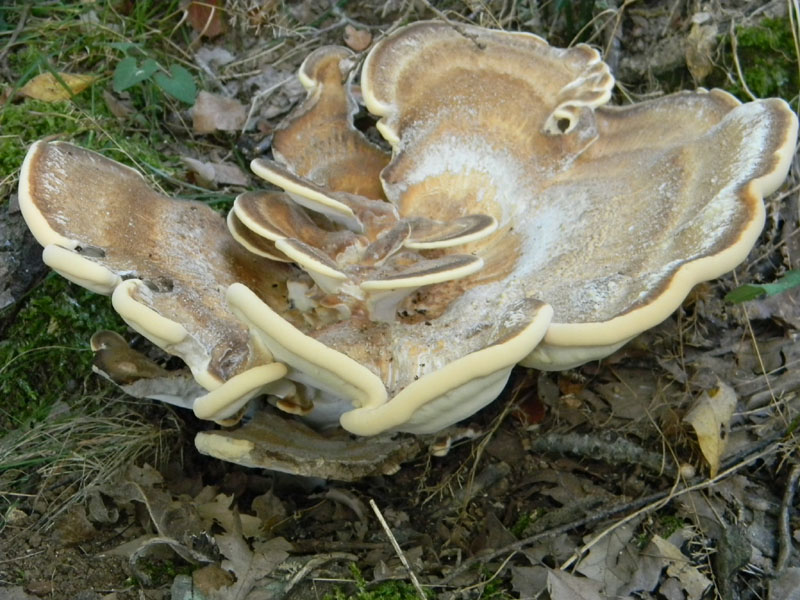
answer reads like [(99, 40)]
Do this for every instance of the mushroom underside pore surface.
[(517, 219)]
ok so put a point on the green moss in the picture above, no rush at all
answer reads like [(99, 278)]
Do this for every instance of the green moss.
[(768, 60), (386, 590), (44, 352), (160, 573), (669, 524)]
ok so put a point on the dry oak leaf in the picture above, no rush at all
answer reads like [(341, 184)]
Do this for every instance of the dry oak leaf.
[(212, 113), (693, 582), (564, 586), (215, 173), (357, 39), (205, 17), (48, 88), (710, 417)]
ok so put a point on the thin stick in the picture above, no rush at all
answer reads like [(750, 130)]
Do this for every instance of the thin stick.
[(398, 550), (658, 503), (784, 526), (735, 53), (650, 502), (317, 561)]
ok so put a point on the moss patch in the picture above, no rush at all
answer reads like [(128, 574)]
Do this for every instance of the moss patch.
[(768, 60), (44, 353)]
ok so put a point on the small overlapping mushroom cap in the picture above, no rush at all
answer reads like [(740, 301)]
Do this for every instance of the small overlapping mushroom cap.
[(166, 264), (609, 214)]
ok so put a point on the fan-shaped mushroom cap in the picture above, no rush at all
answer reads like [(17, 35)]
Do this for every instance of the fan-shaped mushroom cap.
[(609, 214), (166, 263), (382, 352), (321, 143)]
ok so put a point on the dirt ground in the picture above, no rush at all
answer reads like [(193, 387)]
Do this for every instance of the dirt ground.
[(588, 483)]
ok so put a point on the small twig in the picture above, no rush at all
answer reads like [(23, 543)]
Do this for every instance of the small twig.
[(735, 54), (612, 451), (784, 526), (639, 506), (312, 564), (398, 550)]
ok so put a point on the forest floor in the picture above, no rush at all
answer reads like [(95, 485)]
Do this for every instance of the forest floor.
[(584, 484)]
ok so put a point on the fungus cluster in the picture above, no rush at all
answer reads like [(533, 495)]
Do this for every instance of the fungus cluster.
[(517, 219)]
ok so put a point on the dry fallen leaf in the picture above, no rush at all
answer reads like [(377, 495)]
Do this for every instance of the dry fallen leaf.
[(48, 88), (215, 113), (205, 17), (119, 108), (219, 510), (214, 173), (563, 586), (529, 582), (247, 565), (700, 45), (710, 417), (693, 582), (608, 562), (786, 586), (357, 39)]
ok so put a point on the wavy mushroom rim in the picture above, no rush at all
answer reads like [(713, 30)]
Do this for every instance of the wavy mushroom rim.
[(172, 337), (241, 233), (80, 270), (305, 194), (35, 221), (686, 276), (225, 401), (384, 110), (160, 330), (305, 73), (460, 388), (330, 369), (454, 392), (78, 262)]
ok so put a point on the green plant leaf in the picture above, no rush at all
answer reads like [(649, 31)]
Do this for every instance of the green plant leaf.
[(128, 72), (752, 291), (180, 85)]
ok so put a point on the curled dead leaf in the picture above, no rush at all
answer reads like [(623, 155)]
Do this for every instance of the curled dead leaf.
[(215, 113), (357, 39), (710, 417)]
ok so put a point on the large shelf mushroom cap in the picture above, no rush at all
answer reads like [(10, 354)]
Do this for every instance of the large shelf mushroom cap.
[(411, 349), (166, 264), (609, 214)]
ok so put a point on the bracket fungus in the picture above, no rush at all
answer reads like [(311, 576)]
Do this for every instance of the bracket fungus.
[(517, 219)]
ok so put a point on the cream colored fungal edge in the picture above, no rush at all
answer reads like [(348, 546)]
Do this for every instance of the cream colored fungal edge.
[(455, 391)]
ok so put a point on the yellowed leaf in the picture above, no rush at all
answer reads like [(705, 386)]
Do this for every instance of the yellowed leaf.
[(710, 418), (49, 89)]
